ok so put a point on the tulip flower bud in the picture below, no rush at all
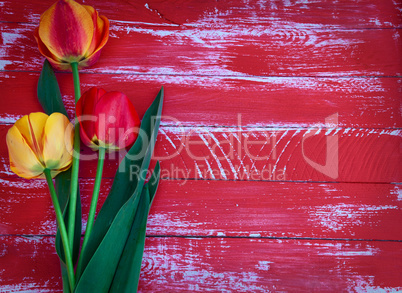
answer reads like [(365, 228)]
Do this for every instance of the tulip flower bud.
[(37, 142), (107, 119), (70, 32)]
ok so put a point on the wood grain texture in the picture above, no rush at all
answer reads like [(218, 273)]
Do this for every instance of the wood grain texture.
[(196, 100), (281, 154), (264, 101), (224, 264), (229, 209), (210, 13), (231, 51)]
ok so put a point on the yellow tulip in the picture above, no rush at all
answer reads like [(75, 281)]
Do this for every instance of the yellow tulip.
[(37, 142)]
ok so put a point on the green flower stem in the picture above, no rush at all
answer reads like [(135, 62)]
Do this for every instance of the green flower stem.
[(63, 231), (76, 77), (94, 202), (75, 164)]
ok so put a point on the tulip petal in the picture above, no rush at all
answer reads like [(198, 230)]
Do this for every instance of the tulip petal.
[(94, 15), (85, 139), (121, 129), (58, 142), (23, 160), (66, 29), (45, 51), (54, 61), (102, 36), (99, 27), (31, 128), (102, 30), (86, 114), (91, 60), (54, 173)]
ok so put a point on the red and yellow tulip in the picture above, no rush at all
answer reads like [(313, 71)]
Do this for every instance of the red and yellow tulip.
[(107, 119), (37, 142), (69, 32)]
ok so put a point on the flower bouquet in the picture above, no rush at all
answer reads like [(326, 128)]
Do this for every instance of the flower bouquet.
[(47, 145)]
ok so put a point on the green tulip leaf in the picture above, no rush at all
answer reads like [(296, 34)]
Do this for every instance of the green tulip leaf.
[(64, 276), (154, 182), (128, 271), (49, 95), (100, 270), (115, 219)]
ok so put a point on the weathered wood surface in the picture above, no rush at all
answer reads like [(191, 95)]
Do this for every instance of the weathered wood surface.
[(281, 154), (195, 101), (232, 51), (210, 13), (231, 209), (174, 264), (256, 93)]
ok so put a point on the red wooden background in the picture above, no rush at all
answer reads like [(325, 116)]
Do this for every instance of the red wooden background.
[(258, 96)]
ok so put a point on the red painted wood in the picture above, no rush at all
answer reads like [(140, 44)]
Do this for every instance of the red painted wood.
[(219, 264), (194, 100), (329, 14), (28, 210), (282, 154), (229, 51), (230, 209), (29, 264), (285, 67)]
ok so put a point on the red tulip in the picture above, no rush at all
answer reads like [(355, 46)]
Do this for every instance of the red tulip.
[(70, 32), (107, 119)]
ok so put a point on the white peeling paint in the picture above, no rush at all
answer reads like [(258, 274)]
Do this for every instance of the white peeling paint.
[(10, 38), (136, 23), (350, 252), (364, 284), (24, 184), (283, 150), (8, 118), (275, 146), (209, 169), (21, 288), (157, 224), (5, 163), (224, 154), (4, 63), (398, 191), (167, 138), (339, 216), (198, 169), (218, 162), (218, 36), (264, 265)]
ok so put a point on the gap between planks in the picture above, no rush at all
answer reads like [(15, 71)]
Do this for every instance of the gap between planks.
[(30, 236)]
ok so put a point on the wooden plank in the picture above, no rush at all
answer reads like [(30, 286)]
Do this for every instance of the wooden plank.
[(225, 208), (230, 51), (328, 14), (27, 202), (29, 264), (225, 265), (243, 265), (197, 100), (276, 209), (271, 154), (331, 154)]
